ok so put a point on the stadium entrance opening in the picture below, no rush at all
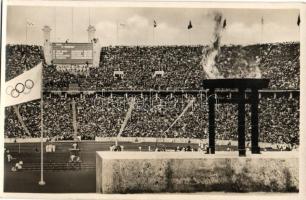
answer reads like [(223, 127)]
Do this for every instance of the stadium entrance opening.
[(240, 87)]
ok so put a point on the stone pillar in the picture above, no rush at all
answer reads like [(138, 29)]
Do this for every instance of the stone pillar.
[(254, 122), (96, 45), (47, 44), (46, 30), (96, 52), (241, 123), (91, 33), (211, 121)]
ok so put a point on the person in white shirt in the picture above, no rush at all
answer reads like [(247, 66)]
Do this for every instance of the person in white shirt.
[(18, 166), (13, 169), (53, 147)]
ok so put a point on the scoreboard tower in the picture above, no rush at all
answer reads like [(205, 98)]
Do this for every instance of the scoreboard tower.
[(66, 53), (72, 53)]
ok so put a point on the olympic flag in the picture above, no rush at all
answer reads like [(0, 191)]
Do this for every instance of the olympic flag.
[(25, 87)]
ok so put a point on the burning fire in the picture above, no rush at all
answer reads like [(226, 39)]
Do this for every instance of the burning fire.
[(247, 66)]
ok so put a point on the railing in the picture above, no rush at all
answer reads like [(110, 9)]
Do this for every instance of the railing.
[(167, 91), (143, 139)]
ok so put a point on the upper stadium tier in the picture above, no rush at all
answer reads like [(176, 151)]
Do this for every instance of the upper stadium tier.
[(20, 58), (181, 66)]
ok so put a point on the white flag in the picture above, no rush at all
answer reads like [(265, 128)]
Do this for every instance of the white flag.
[(25, 87)]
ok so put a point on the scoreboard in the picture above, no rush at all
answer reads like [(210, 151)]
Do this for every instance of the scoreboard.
[(72, 53)]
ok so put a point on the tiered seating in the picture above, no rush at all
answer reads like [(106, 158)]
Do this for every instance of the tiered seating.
[(102, 116), (182, 66), (98, 115)]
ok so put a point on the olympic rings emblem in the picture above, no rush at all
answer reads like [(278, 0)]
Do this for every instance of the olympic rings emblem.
[(19, 88)]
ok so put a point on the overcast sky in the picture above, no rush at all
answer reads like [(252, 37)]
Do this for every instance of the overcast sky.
[(243, 25)]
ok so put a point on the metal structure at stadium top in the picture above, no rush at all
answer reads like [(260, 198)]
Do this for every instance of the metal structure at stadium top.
[(245, 83)]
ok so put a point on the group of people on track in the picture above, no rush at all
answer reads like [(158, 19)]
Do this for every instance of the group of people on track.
[(15, 164)]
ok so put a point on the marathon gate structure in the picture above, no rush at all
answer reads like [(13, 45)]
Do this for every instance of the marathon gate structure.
[(242, 85)]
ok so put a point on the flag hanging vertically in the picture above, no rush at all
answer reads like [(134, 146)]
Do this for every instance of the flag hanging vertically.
[(298, 20), (189, 25), (224, 23), (154, 24), (25, 87)]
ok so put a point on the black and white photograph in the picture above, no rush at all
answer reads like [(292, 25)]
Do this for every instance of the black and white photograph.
[(151, 100)]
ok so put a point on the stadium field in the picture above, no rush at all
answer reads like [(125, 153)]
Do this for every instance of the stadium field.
[(64, 181), (77, 179), (61, 177)]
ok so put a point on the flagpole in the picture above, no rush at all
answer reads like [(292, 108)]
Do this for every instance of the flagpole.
[(153, 31), (42, 182), (55, 40), (261, 34), (117, 33), (153, 35), (72, 24), (26, 27), (88, 16), (26, 32), (26, 40)]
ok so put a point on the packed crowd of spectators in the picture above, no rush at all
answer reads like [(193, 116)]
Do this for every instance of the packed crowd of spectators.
[(74, 69), (278, 62), (182, 67), (279, 118), (102, 116), (57, 119), (20, 58)]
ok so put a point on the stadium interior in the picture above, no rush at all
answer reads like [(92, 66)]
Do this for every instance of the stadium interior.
[(93, 102), (151, 98), (100, 109)]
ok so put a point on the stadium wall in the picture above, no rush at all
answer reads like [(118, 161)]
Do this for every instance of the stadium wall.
[(155, 172), (143, 139)]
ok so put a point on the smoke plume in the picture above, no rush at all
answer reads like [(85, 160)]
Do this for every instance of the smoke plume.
[(210, 53), (244, 65)]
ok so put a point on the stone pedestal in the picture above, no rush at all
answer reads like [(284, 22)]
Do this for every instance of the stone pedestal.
[(156, 172)]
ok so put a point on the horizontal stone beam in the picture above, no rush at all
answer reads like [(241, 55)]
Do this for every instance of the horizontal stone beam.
[(155, 172)]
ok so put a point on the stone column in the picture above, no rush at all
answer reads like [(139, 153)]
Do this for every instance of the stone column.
[(241, 123), (254, 122), (91, 33), (211, 121)]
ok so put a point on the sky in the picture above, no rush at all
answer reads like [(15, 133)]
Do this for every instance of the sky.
[(134, 26)]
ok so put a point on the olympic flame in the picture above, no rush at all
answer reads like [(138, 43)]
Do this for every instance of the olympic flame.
[(245, 66), (210, 53)]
